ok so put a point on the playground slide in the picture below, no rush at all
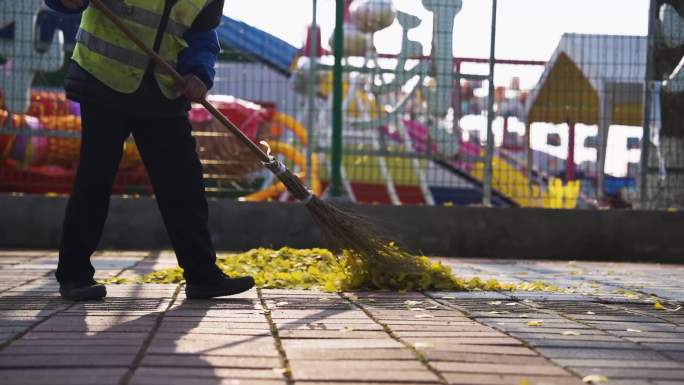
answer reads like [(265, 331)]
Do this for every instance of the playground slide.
[(511, 180), (259, 45), (418, 134), (511, 184)]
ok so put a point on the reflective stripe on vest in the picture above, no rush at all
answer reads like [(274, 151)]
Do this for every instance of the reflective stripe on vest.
[(143, 17), (106, 53), (104, 48)]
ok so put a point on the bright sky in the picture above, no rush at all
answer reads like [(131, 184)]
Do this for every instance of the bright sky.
[(526, 29)]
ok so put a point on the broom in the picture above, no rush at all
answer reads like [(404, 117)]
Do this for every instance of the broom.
[(340, 228)]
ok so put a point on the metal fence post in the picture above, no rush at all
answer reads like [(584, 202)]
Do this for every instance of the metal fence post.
[(311, 92), (489, 149), (646, 136), (336, 152)]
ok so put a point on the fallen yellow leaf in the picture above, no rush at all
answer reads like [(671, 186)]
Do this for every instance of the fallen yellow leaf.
[(535, 323), (424, 316), (594, 379)]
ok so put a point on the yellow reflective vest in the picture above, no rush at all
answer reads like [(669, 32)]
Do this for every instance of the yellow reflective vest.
[(107, 54)]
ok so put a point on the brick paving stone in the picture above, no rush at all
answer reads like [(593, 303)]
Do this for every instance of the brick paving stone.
[(633, 373), (364, 383), (666, 346), (500, 368), (361, 370), (360, 376), (80, 341), (66, 358), (487, 349), (470, 327), (584, 335), (622, 354), (311, 315), (247, 345), (70, 376), (187, 360), (106, 336), (608, 363), (489, 358), (9, 329), (222, 317), (228, 373), (677, 356), (643, 326), (80, 327), (361, 344), (353, 365), (204, 334), (350, 354), (343, 333), (559, 343), (506, 379), (56, 350), (469, 294), (167, 380), (328, 326), (448, 333), (439, 341), (99, 320)]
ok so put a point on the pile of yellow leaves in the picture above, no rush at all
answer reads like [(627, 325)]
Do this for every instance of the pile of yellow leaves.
[(321, 269)]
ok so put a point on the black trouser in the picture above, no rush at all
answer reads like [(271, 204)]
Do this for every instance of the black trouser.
[(168, 151)]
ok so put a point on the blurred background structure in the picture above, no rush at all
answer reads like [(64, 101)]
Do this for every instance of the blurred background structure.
[(444, 102)]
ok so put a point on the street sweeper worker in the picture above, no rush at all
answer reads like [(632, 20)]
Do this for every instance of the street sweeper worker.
[(123, 93)]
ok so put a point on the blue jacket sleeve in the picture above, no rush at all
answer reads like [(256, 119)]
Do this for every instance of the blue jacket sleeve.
[(56, 5), (199, 58)]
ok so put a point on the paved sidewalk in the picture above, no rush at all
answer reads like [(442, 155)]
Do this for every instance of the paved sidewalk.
[(149, 334)]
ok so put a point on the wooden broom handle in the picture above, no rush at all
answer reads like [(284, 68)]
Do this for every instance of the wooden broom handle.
[(158, 60)]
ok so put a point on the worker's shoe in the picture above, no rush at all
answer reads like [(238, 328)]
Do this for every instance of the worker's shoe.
[(219, 287), (77, 291)]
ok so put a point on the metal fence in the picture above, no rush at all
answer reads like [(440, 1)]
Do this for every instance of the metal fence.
[(419, 125)]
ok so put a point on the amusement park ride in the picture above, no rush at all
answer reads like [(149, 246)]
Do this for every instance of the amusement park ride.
[(402, 142)]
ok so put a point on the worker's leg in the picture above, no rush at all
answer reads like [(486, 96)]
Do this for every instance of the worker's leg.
[(168, 151), (102, 138)]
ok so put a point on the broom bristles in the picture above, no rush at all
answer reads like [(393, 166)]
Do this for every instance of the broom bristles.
[(345, 230)]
